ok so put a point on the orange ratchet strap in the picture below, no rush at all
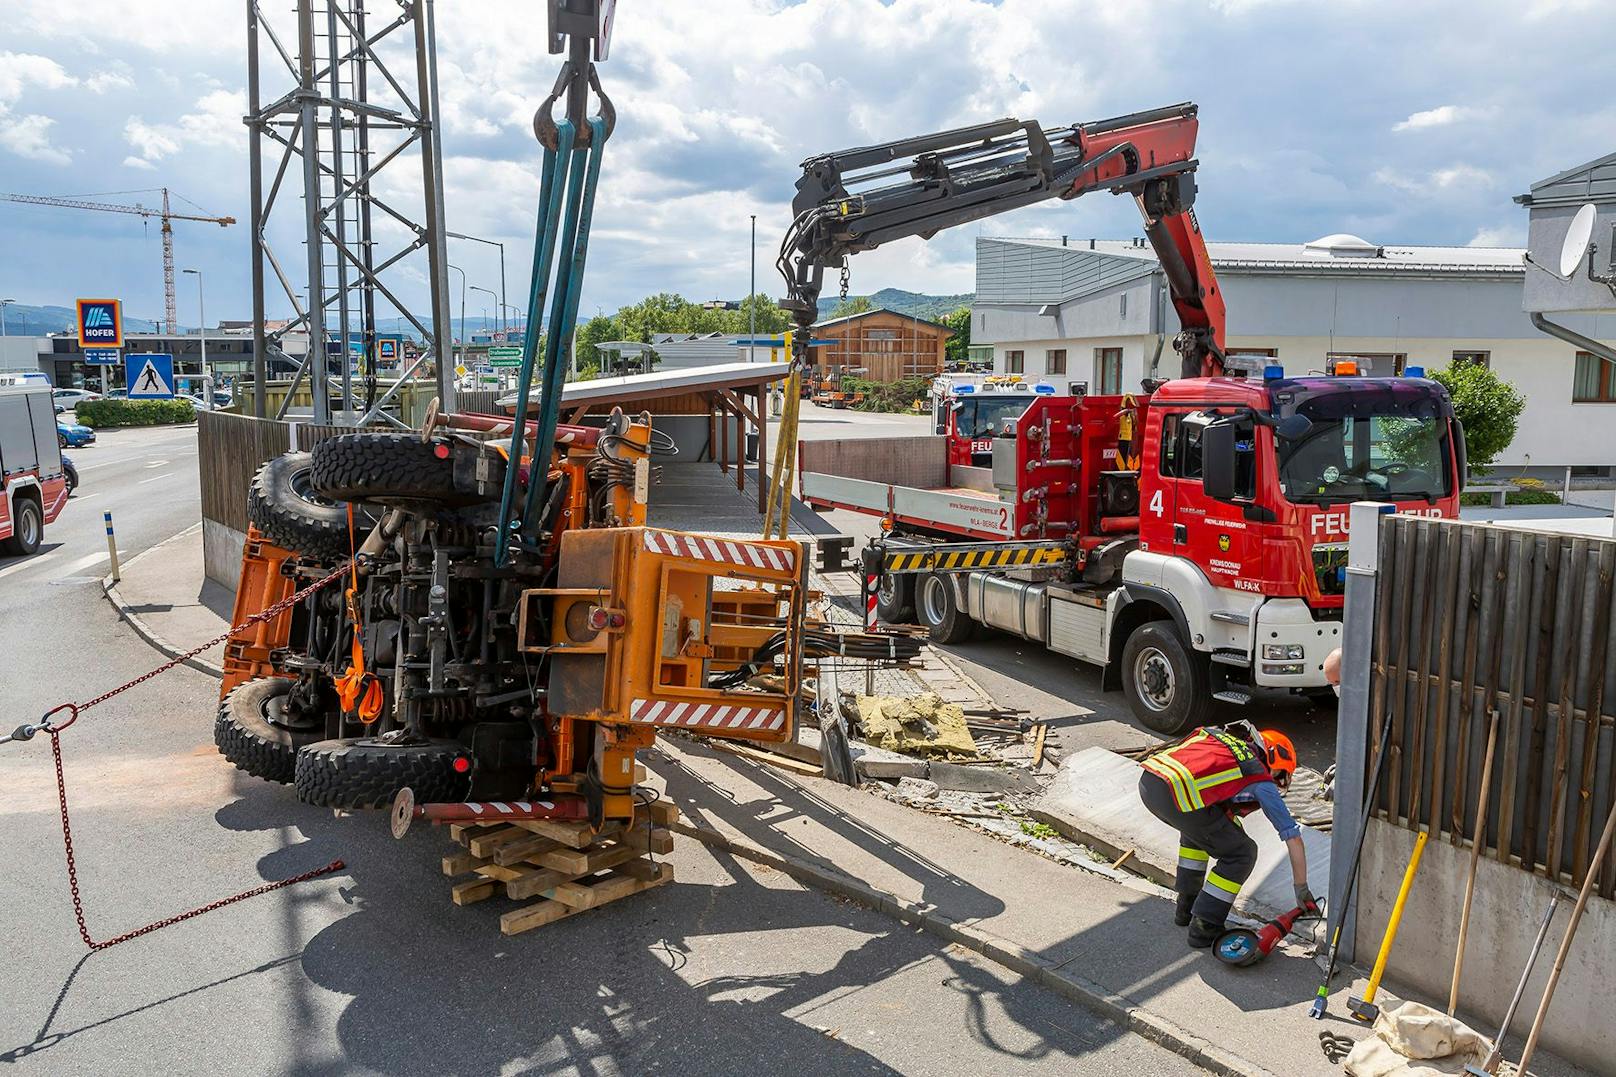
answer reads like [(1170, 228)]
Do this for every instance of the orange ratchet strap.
[(359, 691)]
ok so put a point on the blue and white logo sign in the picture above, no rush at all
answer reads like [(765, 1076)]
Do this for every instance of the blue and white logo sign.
[(102, 356), (100, 323), (150, 376)]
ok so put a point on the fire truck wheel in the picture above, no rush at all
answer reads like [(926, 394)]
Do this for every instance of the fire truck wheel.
[(256, 731), (937, 604), (895, 598), (284, 505), (1167, 684), (368, 772), (27, 528), (386, 468)]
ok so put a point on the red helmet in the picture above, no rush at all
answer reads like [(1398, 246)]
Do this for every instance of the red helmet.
[(1281, 753)]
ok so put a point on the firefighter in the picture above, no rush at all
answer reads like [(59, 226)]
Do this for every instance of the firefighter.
[(1203, 786)]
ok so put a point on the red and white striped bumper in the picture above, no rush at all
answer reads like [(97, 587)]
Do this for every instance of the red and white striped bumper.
[(707, 715), (728, 551)]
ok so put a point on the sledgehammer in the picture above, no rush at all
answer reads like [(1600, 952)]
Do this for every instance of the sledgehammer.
[(1364, 1009)]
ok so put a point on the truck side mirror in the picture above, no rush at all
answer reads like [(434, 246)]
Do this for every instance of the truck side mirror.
[(1461, 453), (1217, 461)]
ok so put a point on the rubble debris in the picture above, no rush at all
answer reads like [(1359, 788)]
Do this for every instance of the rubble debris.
[(913, 789), (919, 725)]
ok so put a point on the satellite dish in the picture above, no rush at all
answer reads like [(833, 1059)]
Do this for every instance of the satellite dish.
[(1577, 238)]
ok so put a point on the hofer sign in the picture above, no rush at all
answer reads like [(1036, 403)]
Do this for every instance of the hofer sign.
[(100, 323)]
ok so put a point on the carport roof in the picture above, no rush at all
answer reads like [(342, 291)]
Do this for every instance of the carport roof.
[(701, 379)]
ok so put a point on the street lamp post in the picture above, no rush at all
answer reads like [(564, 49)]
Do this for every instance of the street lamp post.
[(492, 243), (202, 338), (751, 300), (462, 273), (495, 298)]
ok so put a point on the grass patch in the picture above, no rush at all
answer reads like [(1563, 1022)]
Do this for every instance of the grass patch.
[(1038, 830)]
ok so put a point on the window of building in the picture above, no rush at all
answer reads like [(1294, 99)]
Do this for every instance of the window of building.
[(1055, 361), (1595, 380), (1015, 362), (1473, 359), (1107, 371)]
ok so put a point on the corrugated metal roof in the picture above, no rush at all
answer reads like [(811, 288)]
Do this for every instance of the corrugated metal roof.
[(665, 383), (1594, 181), (1314, 257), (879, 310)]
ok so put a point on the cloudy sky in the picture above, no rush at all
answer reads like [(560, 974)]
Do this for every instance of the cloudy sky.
[(1405, 122)]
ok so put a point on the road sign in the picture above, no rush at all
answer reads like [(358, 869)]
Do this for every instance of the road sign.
[(150, 376), (100, 323), (102, 356), (504, 356), (388, 349), (461, 370)]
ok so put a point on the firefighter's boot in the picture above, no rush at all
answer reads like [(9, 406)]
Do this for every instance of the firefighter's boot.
[(1203, 933)]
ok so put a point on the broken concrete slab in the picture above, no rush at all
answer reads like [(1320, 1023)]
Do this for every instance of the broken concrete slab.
[(878, 764), (983, 779), (1094, 799)]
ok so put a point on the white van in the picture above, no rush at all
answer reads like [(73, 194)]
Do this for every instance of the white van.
[(10, 378)]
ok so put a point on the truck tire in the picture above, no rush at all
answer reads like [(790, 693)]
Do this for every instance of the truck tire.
[(367, 772), (386, 468), (1168, 685), (895, 598), (937, 607), (255, 732), (27, 528), (285, 507)]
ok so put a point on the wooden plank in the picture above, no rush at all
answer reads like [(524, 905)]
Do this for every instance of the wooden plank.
[(1595, 694), (1380, 675), (573, 835), (1567, 632), (664, 812), (1452, 567), (484, 844), (586, 861), (1408, 554), (1521, 569), (498, 873), (1421, 619), (460, 863), (654, 839), (1472, 611), (464, 832), (1543, 641), (548, 912), (530, 844), (1038, 745), (537, 881), (472, 891), (783, 762)]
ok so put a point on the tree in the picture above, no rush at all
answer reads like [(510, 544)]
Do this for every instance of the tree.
[(958, 348), (857, 305), (1489, 407)]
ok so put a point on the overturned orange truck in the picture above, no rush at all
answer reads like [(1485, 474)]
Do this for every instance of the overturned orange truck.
[(441, 663)]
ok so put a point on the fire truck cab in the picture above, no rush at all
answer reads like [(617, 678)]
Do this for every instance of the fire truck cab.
[(972, 410), (33, 483)]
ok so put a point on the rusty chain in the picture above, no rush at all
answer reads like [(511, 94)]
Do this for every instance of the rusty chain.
[(75, 709)]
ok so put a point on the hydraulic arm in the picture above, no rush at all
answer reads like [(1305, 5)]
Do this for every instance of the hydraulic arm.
[(858, 199)]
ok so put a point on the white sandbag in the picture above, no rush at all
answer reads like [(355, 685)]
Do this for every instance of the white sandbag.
[(1413, 1040)]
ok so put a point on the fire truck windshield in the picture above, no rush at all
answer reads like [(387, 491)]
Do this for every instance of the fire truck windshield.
[(1387, 445), (984, 416)]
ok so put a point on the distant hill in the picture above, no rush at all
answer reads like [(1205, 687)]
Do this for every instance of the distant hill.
[(24, 321), (915, 304)]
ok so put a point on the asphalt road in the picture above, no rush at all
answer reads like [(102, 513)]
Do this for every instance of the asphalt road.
[(730, 968)]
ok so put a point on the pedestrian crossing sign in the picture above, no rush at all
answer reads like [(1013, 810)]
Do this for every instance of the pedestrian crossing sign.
[(150, 376)]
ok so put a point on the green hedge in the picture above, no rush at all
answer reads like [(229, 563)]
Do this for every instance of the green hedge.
[(1514, 497), (100, 414)]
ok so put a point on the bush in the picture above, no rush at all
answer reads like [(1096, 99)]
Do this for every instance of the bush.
[(1514, 497), (899, 395), (1489, 407), (100, 414)]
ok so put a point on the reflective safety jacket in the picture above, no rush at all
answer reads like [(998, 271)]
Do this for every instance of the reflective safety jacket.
[(1209, 767)]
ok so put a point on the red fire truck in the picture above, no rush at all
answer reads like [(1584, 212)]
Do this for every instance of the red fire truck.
[(973, 409), (33, 483), (1191, 540)]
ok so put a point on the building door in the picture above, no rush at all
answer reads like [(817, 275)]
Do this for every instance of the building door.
[(1107, 371)]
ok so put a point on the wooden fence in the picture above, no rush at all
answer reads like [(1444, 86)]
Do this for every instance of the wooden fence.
[(231, 448), (1472, 619)]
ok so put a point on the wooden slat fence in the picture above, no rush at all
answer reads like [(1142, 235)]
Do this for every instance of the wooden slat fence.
[(231, 448), (1471, 619)]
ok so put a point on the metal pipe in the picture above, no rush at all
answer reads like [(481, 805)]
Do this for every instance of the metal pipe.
[(310, 135), (406, 811), (255, 164), (426, 66), (1571, 336)]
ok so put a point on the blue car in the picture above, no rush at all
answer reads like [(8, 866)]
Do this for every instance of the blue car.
[(73, 436)]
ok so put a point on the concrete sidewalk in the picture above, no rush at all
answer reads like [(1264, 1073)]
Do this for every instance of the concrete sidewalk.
[(1110, 947)]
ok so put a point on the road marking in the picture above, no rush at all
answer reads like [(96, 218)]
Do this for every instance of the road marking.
[(157, 463), (27, 562), (154, 478), (73, 567)]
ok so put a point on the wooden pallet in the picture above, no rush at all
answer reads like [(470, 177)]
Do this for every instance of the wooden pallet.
[(563, 864)]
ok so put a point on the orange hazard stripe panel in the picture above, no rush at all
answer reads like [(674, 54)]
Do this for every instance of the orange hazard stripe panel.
[(706, 715), (728, 551)]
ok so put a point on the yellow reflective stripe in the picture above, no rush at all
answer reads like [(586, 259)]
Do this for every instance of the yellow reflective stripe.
[(1193, 854), (1189, 797), (1217, 779), (1162, 767), (1216, 881)]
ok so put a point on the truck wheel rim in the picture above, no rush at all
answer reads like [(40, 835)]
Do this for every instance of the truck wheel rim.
[(29, 526), (1153, 678), (303, 486), (933, 592), (887, 589)]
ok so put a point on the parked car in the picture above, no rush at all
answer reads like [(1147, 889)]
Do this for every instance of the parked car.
[(73, 435), (72, 474), (118, 394), (72, 398)]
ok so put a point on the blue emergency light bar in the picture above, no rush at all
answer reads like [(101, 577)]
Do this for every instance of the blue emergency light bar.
[(1273, 372), (1047, 390), (1413, 372), (962, 390)]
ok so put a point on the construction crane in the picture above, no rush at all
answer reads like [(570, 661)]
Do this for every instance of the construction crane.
[(170, 312)]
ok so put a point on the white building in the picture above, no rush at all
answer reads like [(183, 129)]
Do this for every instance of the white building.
[(1097, 312)]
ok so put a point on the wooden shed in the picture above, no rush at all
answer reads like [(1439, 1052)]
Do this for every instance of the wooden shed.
[(886, 344)]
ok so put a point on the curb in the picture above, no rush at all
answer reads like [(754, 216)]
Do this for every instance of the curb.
[(109, 588), (1119, 1009)]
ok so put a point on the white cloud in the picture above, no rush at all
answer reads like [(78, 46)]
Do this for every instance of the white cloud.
[(139, 162), (1501, 236), (29, 136), (1441, 116), (216, 122), (1454, 177), (107, 81), (20, 71)]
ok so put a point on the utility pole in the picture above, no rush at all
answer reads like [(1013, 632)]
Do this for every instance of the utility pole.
[(751, 301), (202, 337), (462, 334)]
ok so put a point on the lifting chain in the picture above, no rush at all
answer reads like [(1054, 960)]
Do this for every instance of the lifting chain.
[(45, 725), (846, 276)]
